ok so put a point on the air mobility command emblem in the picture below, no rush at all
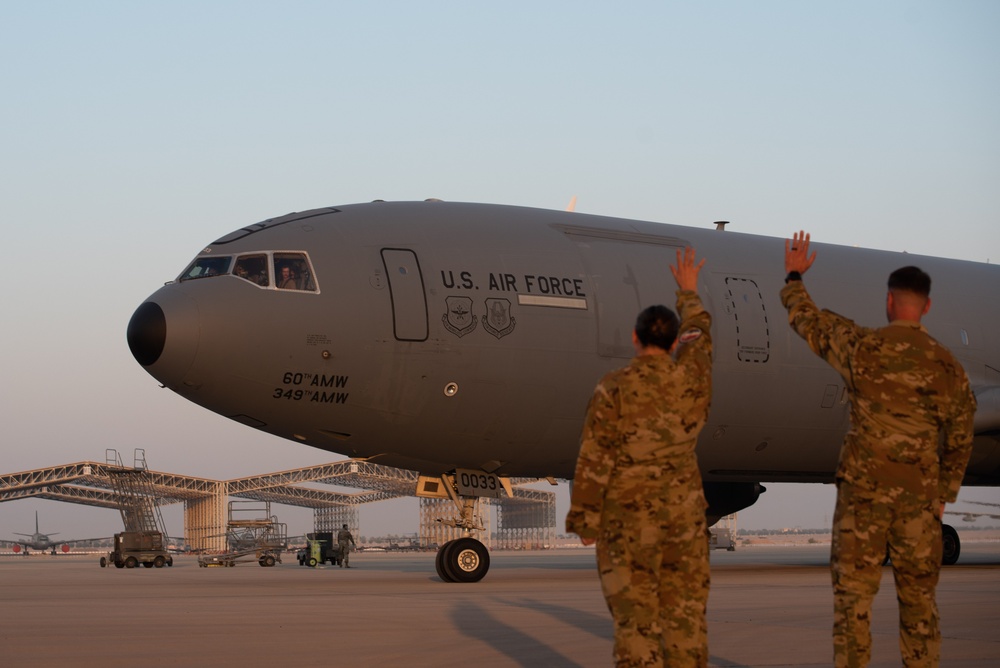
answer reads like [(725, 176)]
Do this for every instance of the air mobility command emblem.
[(498, 320), (458, 318)]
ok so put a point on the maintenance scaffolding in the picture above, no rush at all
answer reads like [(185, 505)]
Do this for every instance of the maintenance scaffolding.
[(252, 534)]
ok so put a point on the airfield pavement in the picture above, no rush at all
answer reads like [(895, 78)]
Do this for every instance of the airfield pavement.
[(769, 606)]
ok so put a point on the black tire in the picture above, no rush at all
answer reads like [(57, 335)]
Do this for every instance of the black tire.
[(131, 562), (439, 560), (147, 564), (466, 560), (119, 564), (104, 562), (951, 546), (267, 561), (312, 562), (159, 561)]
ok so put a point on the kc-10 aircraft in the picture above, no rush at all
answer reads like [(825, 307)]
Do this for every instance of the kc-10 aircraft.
[(42, 541), (463, 341)]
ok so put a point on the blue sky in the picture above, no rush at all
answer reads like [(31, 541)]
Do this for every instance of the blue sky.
[(136, 133)]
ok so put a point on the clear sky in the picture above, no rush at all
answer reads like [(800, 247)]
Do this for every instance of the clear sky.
[(133, 134)]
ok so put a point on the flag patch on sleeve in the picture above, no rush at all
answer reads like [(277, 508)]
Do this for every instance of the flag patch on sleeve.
[(690, 335)]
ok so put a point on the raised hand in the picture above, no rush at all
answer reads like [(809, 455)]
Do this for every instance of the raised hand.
[(686, 272), (797, 256)]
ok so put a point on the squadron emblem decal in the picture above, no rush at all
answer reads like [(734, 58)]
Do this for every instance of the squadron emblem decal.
[(458, 318), (498, 320)]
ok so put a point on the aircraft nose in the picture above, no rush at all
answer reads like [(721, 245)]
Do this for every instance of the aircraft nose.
[(147, 333), (163, 335)]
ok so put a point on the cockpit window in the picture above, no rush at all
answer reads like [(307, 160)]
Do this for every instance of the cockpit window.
[(252, 268), (203, 267), (284, 270), (292, 272)]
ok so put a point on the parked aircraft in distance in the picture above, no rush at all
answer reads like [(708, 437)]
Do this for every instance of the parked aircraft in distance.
[(41, 541), (971, 516), (463, 341)]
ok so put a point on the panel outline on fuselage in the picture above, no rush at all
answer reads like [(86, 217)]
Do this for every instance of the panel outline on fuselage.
[(748, 354)]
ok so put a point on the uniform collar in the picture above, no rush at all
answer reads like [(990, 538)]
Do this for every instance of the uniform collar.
[(912, 324)]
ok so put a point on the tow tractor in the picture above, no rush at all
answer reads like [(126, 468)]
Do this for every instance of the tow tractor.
[(321, 548)]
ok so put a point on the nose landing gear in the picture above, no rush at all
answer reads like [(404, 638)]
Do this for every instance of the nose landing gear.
[(464, 559)]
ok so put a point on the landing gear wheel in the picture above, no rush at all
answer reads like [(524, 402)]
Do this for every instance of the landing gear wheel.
[(440, 559), (951, 546), (465, 560)]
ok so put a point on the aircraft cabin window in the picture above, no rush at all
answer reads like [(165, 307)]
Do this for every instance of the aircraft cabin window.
[(252, 268), (292, 272), (204, 267)]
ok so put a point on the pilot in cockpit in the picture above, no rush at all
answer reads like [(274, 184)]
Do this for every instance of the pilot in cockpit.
[(287, 280)]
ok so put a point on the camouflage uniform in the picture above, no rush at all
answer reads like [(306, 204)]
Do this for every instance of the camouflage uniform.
[(638, 491), (904, 455), (344, 541)]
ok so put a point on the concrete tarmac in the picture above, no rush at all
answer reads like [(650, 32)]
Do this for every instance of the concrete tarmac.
[(769, 606)]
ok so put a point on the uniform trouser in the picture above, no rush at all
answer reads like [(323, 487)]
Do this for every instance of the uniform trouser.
[(345, 552), (652, 556), (864, 523)]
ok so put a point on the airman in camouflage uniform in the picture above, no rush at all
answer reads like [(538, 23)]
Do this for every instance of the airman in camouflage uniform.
[(902, 459), (638, 492), (345, 541)]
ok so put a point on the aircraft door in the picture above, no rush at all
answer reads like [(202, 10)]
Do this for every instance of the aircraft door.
[(627, 278), (406, 290)]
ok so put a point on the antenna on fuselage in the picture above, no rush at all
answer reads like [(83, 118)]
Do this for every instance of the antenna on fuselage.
[(721, 225)]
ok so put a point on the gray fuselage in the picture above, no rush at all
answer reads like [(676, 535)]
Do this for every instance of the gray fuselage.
[(433, 335)]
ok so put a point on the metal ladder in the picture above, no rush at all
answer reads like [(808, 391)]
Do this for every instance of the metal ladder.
[(134, 488)]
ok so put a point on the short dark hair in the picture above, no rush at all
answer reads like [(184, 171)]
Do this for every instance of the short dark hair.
[(911, 279), (657, 326)]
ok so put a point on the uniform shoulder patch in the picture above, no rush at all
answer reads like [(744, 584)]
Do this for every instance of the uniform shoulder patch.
[(690, 335)]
